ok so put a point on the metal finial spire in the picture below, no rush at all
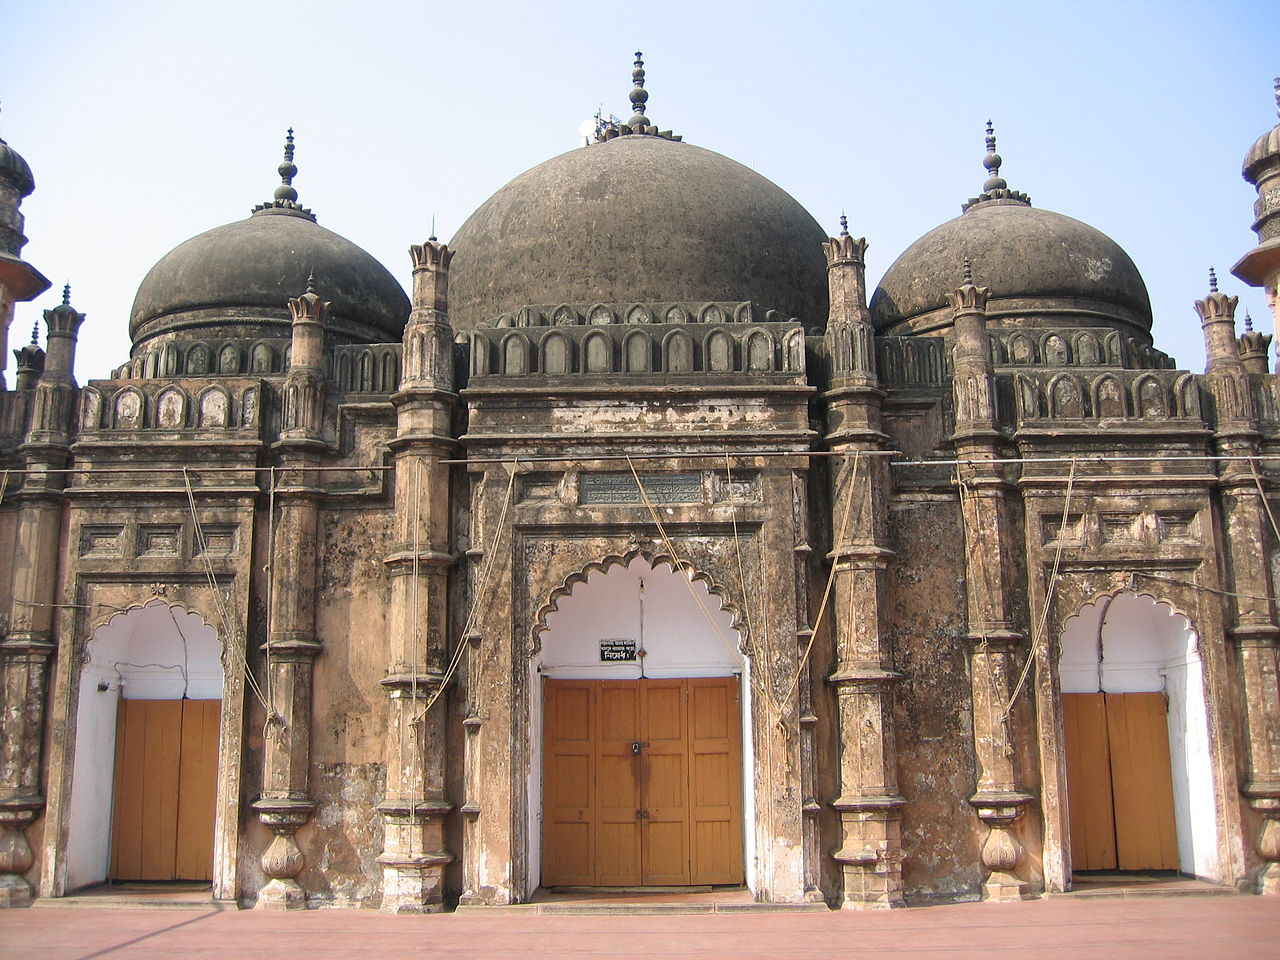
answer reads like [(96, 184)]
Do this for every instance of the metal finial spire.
[(968, 270), (1248, 322), (844, 224), (1213, 281), (66, 295), (432, 238), (992, 162), (311, 284), (35, 334), (639, 95), (288, 170), (1277, 83)]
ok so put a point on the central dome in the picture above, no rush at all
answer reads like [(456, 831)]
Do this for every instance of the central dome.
[(638, 219)]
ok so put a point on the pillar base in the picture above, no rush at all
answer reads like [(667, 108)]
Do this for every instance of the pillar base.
[(1006, 888), (413, 884), (15, 892), (282, 894)]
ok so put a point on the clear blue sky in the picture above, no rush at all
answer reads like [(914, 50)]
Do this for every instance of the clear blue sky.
[(148, 122)]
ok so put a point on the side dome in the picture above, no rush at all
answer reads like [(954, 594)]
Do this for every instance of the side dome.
[(236, 280), (638, 218), (1040, 266)]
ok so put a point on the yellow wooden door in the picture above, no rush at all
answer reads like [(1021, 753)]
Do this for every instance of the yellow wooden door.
[(1138, 735), (642, 783), (715, 781), (1119, 782), (568, 805), (664, 784), (165, 787), (617, 777), (1089, 802)]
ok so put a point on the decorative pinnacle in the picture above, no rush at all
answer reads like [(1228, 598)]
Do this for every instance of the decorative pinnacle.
[(1277, 83), (1213, 281), (639, 95), (992, 162), (1248, 322), (35, 334), (311, 284), (288, 170), (66, 295), (968, 270), (844, 225)]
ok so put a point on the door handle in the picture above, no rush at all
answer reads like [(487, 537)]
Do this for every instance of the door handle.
[(637, 744)]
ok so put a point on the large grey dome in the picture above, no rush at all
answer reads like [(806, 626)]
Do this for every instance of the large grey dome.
[(1036, 262), (638, 218), (240, 276)]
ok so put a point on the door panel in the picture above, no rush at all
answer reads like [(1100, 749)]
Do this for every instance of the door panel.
[(197, 789), (1138, 734), (665, 784), (165, 789), (1093, 827), (1119, 782), (568, 808), (715, 780), (668, 815), (617, 771)]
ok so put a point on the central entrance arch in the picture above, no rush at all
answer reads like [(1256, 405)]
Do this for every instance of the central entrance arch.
[(144, 776), (640, 737)]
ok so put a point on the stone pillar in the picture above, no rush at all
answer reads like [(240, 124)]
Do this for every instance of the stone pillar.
[(414, 854), (1260, 267), (292, 642), (994, 642), (19, 281), (28, 646), (870, 852), (1247, 541)]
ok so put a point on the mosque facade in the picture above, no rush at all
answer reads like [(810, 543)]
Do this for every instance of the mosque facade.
[(640, 548)]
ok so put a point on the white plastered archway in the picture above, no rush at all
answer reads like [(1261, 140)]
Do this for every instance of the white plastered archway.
[(1133, 643), (683, 631), (154, 652)]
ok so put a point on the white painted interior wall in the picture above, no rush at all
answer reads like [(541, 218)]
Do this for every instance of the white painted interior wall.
[(156, 652), (1132, 643), (683, 632)]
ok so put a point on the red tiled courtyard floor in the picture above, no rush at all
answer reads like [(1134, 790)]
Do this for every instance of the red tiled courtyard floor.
[(1238, 928)]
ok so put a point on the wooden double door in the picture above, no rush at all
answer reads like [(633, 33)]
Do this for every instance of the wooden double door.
[(642, 783), (1119, 781), (165, 789)]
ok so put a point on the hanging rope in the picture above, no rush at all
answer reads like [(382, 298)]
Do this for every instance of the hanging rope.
[(480, 593), (1039, 634), (234, 650), (850, 489), (682, 566)]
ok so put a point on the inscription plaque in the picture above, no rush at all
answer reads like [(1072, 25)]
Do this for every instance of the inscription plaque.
[(658, 487)]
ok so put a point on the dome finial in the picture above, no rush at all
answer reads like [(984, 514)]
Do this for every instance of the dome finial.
[(35, 334), (285, 199), (1248, 322), (66, 294), (1213, 280), (968, 270), (995, 187), (288, 170), (992, 162), (844, 224), (1277, 86), (639, 95), (311, 283)]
